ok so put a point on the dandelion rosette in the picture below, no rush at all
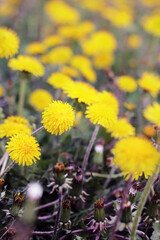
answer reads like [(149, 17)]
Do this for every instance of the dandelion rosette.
[(40, 98), (9, 42), (27, 64), (142, 160), (58, 117), (23, 149)]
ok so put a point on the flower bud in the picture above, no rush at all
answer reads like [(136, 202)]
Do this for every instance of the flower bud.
[(65, 214)]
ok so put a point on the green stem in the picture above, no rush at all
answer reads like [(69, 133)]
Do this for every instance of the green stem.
[(21, 96), (7, 169), (101, 175), (142, 203)]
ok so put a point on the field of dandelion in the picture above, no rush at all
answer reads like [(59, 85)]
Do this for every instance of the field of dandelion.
[(79, 119)]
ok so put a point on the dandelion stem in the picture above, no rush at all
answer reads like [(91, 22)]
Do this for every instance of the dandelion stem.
[(7, 169), (125, 193), (37, 131), (21, 96), (142, 203), (103, 175), (46, 205), (58, 214), (89, 148)]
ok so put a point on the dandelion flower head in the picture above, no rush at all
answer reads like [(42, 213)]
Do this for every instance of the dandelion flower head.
[(58, 55), (53, 40), (61, 13), (122, 128), (84, 65), (82, 91), (134, 41), (14, 125), (151, 24), (102, 114), (127, 83), (107, 98), (130, 106), (152, 113), (58, 117), (16, 119), (118, 17), (40, 99), (59, 80), (135, 156), (9, 43), (103, 60), (150, 82), (96, 44), (70, 71), (23, 149), (35, 48), (27, 64), (77, 32), (149, 131)]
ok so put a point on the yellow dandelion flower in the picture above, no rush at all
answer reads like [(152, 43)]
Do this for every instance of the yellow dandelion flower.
[(23, 149), (58, 80), (27, 64), (2, 91), (9, 42), (96, 44), (53, 40), (150, 82), (58, 117), (135, 156), (103, 60), (152, 113), (14, 125), (102, 114), (151, 24), (149, 131), (35, 48), (150, 3), (6, 9), (40, 99), (95, 6), (107, 98), (126, 83), (84, 65), (134, 41), (129, 106), (9, 128), (122, 128), (59, 55), (77, 32), (16, 119), (82, 91), (70, 71), (118, 17), (61, 13)]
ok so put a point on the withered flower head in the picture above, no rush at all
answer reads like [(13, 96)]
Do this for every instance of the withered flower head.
[(58, 168)]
